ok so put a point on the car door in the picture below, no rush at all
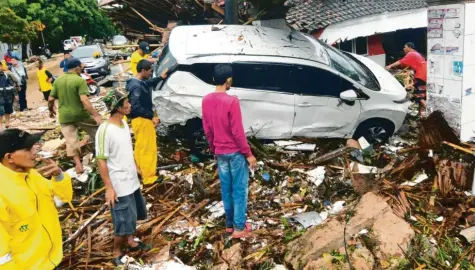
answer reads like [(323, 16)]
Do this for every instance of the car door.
[(266, 104), (319, 112)]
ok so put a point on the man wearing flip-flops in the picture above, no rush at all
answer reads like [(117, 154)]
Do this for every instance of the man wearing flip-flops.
[(119, 172)]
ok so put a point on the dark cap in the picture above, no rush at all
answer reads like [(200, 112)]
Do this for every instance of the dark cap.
[(410, 45), (73, 63), (17, 139), (222, 73), (143, 45)]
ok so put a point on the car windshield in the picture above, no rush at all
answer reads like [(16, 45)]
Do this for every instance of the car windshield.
[(85, 52), (351, 68), (165, 61)]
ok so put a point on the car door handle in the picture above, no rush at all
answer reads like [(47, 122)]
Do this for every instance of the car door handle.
[(305, 104)]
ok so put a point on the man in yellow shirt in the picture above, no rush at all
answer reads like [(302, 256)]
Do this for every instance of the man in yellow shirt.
[(45, 80), (30, 231), (141, 53)]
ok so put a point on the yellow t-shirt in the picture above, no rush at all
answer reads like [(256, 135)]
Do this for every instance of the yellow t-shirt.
[(45, 85), (134, 60)]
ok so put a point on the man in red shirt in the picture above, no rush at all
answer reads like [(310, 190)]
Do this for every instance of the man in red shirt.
[(222, 123), (416, 62)]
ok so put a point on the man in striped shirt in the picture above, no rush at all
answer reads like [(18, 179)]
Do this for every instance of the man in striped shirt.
[(119, 172)]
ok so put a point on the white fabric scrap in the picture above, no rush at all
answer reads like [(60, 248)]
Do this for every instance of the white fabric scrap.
[(316, 176), (216, 210), (81, 177), (417, 180)]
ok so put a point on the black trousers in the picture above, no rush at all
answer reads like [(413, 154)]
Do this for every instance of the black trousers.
[(22, 98)]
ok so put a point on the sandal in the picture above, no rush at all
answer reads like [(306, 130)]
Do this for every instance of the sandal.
[(141, 246), (118, 261), (247, 228)]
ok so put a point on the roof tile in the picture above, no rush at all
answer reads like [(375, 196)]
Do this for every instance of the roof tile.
[(309, 14)]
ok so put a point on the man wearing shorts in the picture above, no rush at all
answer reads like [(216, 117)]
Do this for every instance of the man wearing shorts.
[(75, 110), (416, 62), (115, 157)]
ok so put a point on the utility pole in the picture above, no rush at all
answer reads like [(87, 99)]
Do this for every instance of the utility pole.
[(231, 12)]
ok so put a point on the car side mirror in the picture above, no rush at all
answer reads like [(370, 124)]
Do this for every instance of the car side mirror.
[(348, 96)]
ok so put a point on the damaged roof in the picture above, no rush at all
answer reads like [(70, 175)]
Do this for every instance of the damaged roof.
[(316, 14), (206, 40)]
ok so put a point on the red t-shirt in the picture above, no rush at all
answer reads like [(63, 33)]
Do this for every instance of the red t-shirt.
[(416, 62), (222, 123)]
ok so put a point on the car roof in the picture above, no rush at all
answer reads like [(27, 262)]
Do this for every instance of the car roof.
[(205, 40), (88, 46)]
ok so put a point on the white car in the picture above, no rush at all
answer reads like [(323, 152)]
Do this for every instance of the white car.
[(288, 83), (70, 44)]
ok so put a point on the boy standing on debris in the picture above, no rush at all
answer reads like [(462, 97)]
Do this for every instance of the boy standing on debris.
[(30, 231), (144, 119), (222, 123), (415, 61), (75, 110), (118, 170)]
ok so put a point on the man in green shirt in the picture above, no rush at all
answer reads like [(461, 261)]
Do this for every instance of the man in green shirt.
[(75, 110)]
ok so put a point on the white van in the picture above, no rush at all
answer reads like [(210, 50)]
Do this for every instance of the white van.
[(288, 83), (70, 44)]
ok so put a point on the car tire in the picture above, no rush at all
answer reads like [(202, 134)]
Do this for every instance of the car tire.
[(375, 131)]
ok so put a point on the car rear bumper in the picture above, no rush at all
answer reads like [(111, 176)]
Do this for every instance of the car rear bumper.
[(98, 72)]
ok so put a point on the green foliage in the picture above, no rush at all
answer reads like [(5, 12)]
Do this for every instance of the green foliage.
[(65, 18), (290, 233), (13, 28)]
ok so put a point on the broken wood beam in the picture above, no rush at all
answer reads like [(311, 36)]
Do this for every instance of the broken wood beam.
[(84, 226), (157, 229), (332, 155), (155, 28)]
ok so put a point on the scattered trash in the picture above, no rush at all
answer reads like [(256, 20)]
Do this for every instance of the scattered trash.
[(82, 177), (469, 234), (417, 180), (307, 219), (337, 207), (362, 169), (363, 231), (301, 147), (365, 146), (316, 176), (266, 176), (216, 210)]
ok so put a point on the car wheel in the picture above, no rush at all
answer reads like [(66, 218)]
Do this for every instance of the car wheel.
[(375, 131), (93, 89)]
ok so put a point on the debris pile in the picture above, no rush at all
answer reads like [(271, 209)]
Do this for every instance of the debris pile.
[(312, 204)]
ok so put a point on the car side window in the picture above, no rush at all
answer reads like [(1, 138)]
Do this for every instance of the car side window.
[(204, 71), (262, 76), (317, 82)]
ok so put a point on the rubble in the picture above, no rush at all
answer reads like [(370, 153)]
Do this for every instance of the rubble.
[(371, 212), (412, 180)]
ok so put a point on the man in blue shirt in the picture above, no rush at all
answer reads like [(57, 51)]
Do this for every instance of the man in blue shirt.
[(63, 64)]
